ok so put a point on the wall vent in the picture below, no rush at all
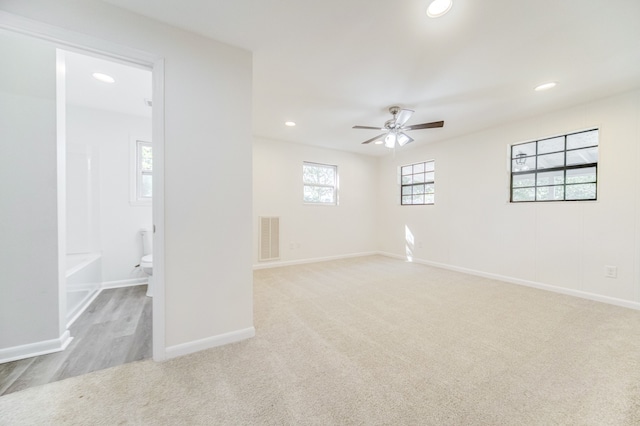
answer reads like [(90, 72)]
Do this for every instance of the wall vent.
[(269, 238)]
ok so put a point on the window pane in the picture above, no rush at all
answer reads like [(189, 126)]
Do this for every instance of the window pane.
[(528, 163), (430, 188), (524, 148), (580, 140), (582, 156), (318, 174), (551, 160), (584, 175), (581, 192), (523, 194), (550, 193), (550, 178), (551, 145), (417, 181), (318, 194), (524, 180), (146, 190), (430, 198), (146, 158)]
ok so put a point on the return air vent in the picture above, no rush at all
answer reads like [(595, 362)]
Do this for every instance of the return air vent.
[(269, 238)]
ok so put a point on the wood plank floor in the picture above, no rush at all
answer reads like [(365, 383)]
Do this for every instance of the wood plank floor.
[(115, 329)]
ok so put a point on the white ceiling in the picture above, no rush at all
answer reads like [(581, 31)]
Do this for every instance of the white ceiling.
[(332, 64), (126, 95)]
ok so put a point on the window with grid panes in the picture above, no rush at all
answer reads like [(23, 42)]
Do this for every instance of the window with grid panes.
[(144, 170), (320, 183), (562, 168), (418, 183)]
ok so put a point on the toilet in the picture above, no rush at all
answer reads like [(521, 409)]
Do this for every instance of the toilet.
[(146, 263)]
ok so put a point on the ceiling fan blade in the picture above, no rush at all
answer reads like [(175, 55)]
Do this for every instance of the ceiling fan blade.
[(425, 126), (376, 138), (367, 127), (403, 116)]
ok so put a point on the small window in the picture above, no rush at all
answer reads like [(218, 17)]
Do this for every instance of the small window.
[(320, 183), (562, 168), (418, 183), (144, 171)]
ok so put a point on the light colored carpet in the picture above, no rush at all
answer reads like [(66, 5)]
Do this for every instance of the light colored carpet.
[(371, 341)]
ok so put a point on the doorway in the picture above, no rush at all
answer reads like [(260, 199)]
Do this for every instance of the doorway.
[(39, 327)]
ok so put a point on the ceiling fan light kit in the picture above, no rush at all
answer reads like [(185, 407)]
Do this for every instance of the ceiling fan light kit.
[(395, 128)]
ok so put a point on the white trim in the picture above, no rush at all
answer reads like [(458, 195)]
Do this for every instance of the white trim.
[(210, 342), (61, 187), (541, 286), (83, 308), (83, 43), (157, 137), (35, 349), (124, 283), (311, 260), (75, 41)]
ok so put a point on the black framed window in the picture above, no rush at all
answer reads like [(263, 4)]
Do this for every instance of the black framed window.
[(418, 183), (562, 168)]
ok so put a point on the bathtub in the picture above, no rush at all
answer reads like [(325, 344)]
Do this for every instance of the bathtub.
[(84, 277)]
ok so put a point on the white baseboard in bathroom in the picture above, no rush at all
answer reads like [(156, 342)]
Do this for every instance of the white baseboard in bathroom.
[(83, 307), (278, 264), (37, 348), (209, 342), (124, 283)]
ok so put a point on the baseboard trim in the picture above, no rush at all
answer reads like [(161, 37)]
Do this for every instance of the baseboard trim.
[(83, 308), (569, 292), (278, 264), (124, 283), (209, 342), (35, 349)]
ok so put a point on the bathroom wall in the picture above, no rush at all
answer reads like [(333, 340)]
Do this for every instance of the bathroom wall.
[(29, 300), (109, 135), (310, 232)]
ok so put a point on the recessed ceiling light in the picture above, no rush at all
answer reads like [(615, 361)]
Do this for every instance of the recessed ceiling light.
[(103, 77), (545, 86), (438, 8), (289, 123)]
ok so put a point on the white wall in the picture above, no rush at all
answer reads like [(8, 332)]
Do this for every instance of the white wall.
[(109, 135), (28, 207), (314, 231), (564, 245), (208, 221)]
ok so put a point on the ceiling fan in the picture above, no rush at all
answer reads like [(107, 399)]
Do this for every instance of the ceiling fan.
[(395, 128)]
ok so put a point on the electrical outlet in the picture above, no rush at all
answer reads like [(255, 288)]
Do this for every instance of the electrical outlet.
[(611, 271), (291, 246)]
